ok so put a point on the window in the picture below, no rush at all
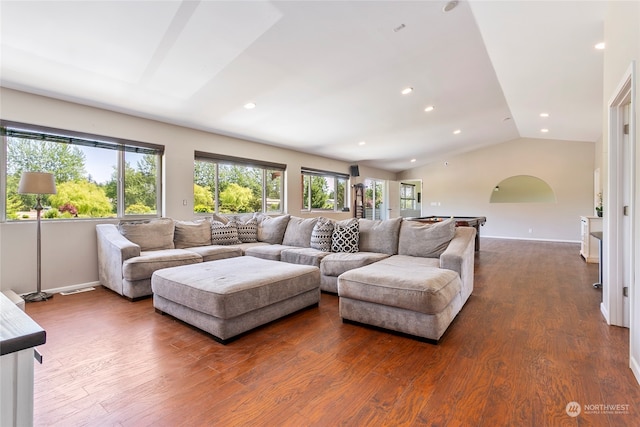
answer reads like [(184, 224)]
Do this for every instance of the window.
[(96, 177), (234, 185), (323, 190), (407, 196), (373, 197)]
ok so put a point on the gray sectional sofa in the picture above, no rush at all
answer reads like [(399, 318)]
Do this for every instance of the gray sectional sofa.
[(379, 269)]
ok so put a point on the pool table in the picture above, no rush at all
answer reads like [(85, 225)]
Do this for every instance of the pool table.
[(461, 221)]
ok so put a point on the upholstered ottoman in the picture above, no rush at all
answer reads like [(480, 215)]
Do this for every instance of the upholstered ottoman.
[(421, 302), (230, 296)]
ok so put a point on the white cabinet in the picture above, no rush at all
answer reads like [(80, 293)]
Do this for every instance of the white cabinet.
[(589, 244)]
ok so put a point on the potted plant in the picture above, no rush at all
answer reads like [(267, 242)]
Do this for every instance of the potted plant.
[(599, 207)]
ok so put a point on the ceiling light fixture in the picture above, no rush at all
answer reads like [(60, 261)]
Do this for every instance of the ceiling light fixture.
[(544, 115), (361, 143), (429, 108), (413, 160), (457, 132), (600, 46), (544, 130), (407, 90), (450, 6), (250, 105)]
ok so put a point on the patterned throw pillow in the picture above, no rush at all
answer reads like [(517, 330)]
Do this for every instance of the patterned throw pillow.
[(248, 231), (345, 236), (224, 234), (321, 235)]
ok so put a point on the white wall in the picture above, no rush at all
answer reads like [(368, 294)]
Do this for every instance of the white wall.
[(69, 255), (463, 187)]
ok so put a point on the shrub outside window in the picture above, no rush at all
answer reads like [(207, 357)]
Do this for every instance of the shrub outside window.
[(96, 177), (227, 184)]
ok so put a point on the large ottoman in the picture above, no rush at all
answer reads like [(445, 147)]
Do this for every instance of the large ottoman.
[(230, 296), (421, 301)]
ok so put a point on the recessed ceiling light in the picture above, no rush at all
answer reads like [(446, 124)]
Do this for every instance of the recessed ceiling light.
[(506, 119), (413, 160), (407, 90), (250, 105), (457, 131), (600, 46), (450, 6), (361, 142), (544, 130), (544, 114), (429, 108)]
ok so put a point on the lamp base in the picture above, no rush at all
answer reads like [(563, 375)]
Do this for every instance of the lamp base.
[(37, 296)]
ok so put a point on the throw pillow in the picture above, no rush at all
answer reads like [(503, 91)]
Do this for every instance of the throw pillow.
[(248, 230), (152, 235), (189, 234), (298, 232), (321, 235), (425, 240), (224, 234), (271, 228), (345, 236), (379, 235)]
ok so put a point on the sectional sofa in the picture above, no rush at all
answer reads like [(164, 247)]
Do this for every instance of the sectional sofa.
[(396, 274)]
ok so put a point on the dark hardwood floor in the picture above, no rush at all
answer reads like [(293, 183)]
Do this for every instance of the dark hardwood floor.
[(530, 340)]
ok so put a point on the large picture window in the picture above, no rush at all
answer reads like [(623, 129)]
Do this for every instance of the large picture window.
[(227, 184), (96, 177), (322, 190)]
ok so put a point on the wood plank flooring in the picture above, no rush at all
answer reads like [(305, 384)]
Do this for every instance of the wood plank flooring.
[(530, 340)]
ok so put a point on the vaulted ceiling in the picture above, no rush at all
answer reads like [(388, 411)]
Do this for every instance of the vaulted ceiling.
[(325, 76)]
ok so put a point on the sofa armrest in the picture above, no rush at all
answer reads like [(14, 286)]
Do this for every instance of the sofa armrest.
[(113, 250), (460, 257)]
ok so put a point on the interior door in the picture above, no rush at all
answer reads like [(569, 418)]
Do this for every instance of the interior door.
[(393, 199)]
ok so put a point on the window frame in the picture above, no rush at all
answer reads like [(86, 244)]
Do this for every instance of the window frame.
[(265, 166), (336, 176), (411, 199), (9, 129)]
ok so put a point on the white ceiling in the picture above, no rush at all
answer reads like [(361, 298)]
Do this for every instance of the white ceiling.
[(324, 75)]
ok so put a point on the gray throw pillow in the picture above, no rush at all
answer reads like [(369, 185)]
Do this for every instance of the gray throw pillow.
[(271, 228), (189, 234), (345, 236), (298, 232), (150, 235), (379, 235), (321, 235), (224, 234), (425, 240)]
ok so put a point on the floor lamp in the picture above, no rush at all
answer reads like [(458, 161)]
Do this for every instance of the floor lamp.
[(37, 183)]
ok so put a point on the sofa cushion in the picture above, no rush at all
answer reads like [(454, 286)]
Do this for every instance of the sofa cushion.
[(189, 234), (215, 252), (150, 235), (248, 230), (303, 256), (143, 266), (271, 228), (426, 290), (321, 235), (345, 236), (298, 232), (270, 252), (337, 263), (379, 235), (425, 240), (224, 234)]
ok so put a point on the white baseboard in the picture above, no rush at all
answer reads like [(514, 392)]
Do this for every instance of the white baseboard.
[(605, 313), (529, 238), (635, 368), (69, 288)]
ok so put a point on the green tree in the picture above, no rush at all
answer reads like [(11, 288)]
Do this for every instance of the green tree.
[(202, 199), (319, 191), (236, 199), (139, 185), (89, 199)]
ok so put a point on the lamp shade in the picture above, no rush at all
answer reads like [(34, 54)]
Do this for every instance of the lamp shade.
[(37, 183)]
